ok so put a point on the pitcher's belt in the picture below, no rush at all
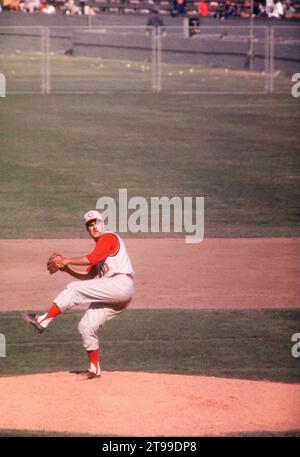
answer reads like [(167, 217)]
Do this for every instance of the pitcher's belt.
[(130, 275)]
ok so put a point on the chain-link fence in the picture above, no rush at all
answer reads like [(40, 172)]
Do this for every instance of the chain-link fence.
[(284, 57), (188, 59), (22, 59), (100, 60), (214, 60)]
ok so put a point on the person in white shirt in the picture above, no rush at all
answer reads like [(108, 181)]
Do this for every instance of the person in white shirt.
[(277, 11)]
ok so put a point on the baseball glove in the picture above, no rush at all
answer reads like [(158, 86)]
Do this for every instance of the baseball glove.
[(55, 263)]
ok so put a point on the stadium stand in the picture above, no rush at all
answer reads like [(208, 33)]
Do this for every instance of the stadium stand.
[(216, 8)]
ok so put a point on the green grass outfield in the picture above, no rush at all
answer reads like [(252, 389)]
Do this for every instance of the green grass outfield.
[(247, 344), (25, 71), (60, 153)]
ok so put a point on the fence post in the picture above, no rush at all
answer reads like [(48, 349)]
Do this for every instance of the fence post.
[(153, 60), (251, 47), (271, 64), (158, 58), (267, 60), (45, 60), (156, 52)]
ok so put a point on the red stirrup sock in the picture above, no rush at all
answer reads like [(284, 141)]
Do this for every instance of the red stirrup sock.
[(94, 361), (45, 319)]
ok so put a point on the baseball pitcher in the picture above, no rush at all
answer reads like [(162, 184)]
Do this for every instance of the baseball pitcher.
[(107, 287)]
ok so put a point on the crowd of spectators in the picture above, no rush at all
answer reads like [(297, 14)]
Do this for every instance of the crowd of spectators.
[(223, 9), (265, 8), (268, 8), (68, 7)]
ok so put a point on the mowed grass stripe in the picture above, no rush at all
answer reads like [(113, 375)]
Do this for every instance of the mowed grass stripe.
[(249, 344), (240, 152)]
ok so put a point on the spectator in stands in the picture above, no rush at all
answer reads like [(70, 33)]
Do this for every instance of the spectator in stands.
[(229, 10), (277, 11), (202, 8), (28, 6), (154, 20), (42, 5), (22, 5), (89, 11), (262, 10), (179, 7), (239, 10), (15, 5), (289, 10), (269, 7), (71, 9), (82, 5), (255, 10), (6, 5), (48, 9)]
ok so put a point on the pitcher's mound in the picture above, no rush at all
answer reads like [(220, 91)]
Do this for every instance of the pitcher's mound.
[(147, 404)]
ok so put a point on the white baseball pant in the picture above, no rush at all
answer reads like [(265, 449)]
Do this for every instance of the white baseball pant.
[(108, 298)]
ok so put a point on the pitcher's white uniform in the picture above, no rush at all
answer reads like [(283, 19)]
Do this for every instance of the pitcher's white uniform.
[(108, 294)]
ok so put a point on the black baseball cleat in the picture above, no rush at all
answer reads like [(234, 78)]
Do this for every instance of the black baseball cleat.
[(89, 375), (31, 319)]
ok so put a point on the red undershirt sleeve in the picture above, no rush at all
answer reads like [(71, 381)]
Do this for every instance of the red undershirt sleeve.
[(108, 244)]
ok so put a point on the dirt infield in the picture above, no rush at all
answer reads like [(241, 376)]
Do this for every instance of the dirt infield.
[(132, 404), (217, 273)]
